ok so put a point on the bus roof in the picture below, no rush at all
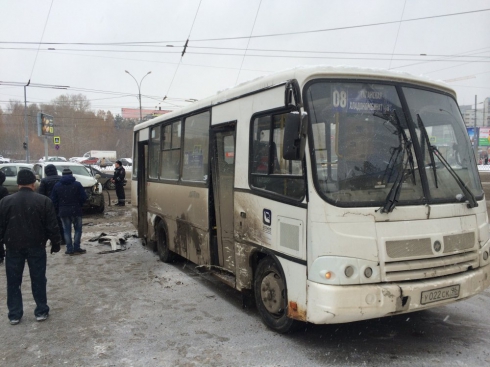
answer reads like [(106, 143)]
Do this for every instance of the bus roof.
[(302, 74)]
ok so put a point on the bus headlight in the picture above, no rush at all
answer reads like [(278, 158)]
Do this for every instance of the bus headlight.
[(344, 270), (485, 254), (349, 271), (368, 272)]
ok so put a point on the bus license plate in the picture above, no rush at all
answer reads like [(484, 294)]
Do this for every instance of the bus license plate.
[(439, 294)]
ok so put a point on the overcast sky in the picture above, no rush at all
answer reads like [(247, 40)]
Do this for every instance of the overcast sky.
[(152, 34)]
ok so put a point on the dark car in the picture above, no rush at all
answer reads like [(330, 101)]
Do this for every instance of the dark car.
[(126, 161), (104, 179)]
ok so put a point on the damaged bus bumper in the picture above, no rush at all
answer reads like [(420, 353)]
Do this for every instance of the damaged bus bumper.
[(333, 304)]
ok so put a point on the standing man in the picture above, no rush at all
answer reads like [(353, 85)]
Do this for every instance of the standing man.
[(3, 190), (27, 221), (46, 187), (68, 197), (118, 179)]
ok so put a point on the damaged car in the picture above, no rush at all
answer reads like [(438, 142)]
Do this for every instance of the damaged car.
[(93, 188)]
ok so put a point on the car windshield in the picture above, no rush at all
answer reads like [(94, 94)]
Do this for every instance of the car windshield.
[(362, 146), (76, 170)]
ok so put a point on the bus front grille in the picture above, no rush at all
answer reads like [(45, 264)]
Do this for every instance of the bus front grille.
[(423, 246), (430, 268)]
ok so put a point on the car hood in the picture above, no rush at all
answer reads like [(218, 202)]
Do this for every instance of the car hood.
[(86, 181)]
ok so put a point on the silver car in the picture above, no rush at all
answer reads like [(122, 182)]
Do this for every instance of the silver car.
[(11, 170)]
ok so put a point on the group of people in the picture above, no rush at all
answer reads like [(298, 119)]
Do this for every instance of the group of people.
[(29, 219)]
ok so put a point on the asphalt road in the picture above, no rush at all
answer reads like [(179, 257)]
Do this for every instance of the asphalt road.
[(129, 309)]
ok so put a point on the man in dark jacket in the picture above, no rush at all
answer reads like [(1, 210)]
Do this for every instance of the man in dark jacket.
[(27, 221), (118, 179), (46, 187), (68, 197), (3, 190)]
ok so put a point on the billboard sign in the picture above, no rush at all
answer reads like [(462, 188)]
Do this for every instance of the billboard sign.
[(473, 134), (484, 137), (45, 125)]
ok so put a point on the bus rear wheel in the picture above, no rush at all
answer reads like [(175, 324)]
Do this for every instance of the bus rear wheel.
[(271, 297), (164, 252)]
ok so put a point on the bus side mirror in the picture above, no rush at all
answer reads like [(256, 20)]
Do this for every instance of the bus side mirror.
[(294, 137)]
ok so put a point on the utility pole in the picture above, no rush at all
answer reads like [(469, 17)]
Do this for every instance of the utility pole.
[(476, 135), (26, 125)]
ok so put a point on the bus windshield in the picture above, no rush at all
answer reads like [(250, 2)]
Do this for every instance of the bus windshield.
[(363, 152)]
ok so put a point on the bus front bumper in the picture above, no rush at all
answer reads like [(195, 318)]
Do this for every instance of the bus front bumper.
[(331, 304)]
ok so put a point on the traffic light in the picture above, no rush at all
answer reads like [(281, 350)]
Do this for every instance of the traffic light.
[(24, 145)]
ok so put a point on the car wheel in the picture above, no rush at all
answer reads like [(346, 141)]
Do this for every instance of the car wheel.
[(271, 297), (164, 252), (109, 185)]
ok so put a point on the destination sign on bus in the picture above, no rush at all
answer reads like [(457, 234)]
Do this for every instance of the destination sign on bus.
[(355, 100)]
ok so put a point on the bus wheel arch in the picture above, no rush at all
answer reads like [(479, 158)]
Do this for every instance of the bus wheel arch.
[(270, 290), (162, 244)]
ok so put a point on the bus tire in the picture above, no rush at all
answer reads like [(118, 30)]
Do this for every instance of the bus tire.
[(164, 252), (271, 297)]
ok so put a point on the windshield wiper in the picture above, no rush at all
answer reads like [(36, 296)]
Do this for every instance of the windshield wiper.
[(425, 136), (390, 168), (393, 119), (467, 194), (395, 191)]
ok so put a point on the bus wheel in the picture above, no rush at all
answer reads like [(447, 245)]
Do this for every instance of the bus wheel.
[(271, 297), (164, 252)]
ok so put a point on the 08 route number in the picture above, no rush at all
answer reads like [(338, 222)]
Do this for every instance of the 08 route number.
[(339, 99)]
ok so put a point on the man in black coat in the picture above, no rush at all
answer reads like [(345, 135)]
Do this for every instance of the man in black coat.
[(27, 221), (3, 190), (118, 179), (68, 197), (46, 187)]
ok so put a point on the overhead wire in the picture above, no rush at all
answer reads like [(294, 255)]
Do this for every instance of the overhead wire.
[(322, 52), (397, 32), (262, 35), (456, 55), (158, 44), (343, 28), (447, 57), (42, 36), (161, 62), (183, 52), (248, 42)]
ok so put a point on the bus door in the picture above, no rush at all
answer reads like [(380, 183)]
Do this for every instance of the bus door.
[(223, 175), (142, 204)]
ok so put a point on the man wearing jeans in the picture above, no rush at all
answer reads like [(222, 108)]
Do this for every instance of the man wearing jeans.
[(27, 221), (68, 196)]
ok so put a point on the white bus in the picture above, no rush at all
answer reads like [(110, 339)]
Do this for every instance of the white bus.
[(329, 194)]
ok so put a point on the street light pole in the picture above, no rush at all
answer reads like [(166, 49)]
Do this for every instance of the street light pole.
[(139, 89), (26, 125)]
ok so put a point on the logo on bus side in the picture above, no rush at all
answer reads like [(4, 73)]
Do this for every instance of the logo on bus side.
[(267, 217)]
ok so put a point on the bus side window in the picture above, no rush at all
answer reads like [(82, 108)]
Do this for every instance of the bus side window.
[(270, 171)]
